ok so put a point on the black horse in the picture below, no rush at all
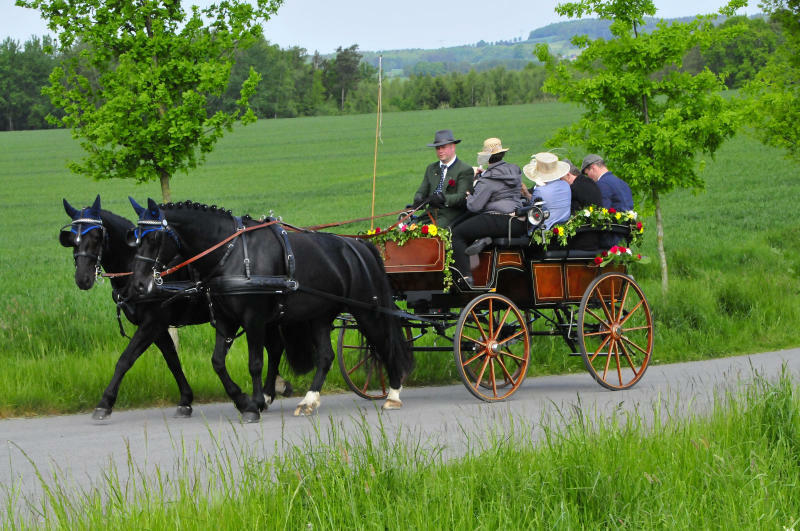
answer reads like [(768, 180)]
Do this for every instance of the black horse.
[(99, 239), (264, 276)]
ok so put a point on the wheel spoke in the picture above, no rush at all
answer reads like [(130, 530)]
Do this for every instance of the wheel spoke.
[(478, 355), (506, 372), (512, 355), (600, 319), (509, 338), (630, 361), (494, 381), (624, 298), (617, 360), (597, 352), (480, 374), (478, 323), (357, 366), (490, 316), (502, 322), (634, 345), (608, 359), (639, 305)]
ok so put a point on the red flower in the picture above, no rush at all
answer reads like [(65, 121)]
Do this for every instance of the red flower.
[(424, 229), (638, 257), (556, 231), (604, 253), (613, 249), (639, 225), (451, 182), (598, 260), (612, 210), (377, 230)]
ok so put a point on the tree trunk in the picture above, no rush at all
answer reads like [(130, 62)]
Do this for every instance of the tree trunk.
[(662, 256), (166, 195)]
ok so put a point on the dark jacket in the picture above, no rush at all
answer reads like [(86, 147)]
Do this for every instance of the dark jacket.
[(616, 192), (498, 189), (455, 196), (584, 193)]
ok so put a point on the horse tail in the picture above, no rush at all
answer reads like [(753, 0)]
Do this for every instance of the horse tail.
[(396, 351)]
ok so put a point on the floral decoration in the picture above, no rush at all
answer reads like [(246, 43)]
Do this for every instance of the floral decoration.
[(619, 254), (591, 216), (404, 232), (451, 183)]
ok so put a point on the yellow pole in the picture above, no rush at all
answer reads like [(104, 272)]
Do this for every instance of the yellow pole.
[(377, 135)]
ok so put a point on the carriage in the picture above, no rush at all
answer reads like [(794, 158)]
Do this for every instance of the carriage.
[(520, 291)]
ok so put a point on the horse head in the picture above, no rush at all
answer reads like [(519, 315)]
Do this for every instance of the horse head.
[(86, 234), (157, 245)]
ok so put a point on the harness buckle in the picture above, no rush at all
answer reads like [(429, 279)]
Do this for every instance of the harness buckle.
[(292, 284), (98, 274), (157, 278)]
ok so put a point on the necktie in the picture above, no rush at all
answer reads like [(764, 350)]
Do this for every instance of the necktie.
[(443, 169)]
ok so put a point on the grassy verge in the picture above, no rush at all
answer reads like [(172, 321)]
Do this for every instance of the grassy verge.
[(735, 468), (734, 257)]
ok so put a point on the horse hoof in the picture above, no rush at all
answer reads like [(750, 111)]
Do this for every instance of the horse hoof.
[(287, 390), (101, 413), (392, 404), (183, 412), (303, 410), (250, 417)]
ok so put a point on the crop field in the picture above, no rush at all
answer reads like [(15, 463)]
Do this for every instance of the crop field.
[(732, 249)]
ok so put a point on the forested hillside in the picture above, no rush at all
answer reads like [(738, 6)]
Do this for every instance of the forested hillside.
[(297, 83)]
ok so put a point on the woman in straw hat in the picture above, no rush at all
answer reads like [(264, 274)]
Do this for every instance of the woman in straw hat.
[(546, 171), (496, 198)]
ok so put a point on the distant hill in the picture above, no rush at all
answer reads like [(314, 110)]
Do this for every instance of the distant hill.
[(513, 54)]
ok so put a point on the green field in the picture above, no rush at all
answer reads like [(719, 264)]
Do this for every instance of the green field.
[(733, 249)]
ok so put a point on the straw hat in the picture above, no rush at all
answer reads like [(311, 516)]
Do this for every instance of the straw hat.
[(545, 167), (492, 146)]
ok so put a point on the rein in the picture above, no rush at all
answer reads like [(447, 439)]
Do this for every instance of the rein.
[(196, 257)]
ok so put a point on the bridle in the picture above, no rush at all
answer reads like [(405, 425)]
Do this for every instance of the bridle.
[(77, 227), (146, 226)]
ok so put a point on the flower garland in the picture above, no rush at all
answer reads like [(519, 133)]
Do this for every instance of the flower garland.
[(405, 232), (601, 218), (619, 255)]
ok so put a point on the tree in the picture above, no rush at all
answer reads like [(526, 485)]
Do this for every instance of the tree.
[(774, 106), (649, 127), (23, 72), (342, 74), (146, 115)]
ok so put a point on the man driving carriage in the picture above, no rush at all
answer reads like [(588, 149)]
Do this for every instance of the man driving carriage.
[(445, 183)]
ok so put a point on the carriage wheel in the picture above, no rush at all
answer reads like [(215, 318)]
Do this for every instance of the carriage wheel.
[(360, 366), (615, 331), (491, 347)]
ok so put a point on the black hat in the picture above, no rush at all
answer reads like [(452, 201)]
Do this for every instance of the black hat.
[(443, 137)]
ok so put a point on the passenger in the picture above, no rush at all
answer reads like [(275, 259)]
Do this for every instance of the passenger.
[(616, 192), (585, 193), (546, 171), (445, 183), (584, 190), (494, 201)]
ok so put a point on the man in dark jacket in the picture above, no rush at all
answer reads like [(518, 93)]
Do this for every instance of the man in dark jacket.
[(584, 190), (616, 192), (446, 182)]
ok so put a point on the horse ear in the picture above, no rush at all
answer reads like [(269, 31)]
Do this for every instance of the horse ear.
[(66, 238), (96, 204), (152, 205), (71, 211), (136, 206)]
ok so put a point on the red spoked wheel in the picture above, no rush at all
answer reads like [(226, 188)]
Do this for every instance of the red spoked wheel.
[(360, 366), (615, 330), (491, 346)]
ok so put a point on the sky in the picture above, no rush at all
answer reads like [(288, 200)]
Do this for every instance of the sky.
[(323, 25)]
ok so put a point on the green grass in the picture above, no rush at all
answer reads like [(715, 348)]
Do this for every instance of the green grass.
[(732, 250), (734, 468)]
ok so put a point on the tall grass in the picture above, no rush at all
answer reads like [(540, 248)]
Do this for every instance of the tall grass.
[(735, 468), (733, 249)]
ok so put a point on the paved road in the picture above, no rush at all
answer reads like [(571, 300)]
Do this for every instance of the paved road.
[(80, 451)]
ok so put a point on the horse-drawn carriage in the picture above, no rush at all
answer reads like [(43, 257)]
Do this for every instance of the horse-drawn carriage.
[(284, 290), (520, 291)]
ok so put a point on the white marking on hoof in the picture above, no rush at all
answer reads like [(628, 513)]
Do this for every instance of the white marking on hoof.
[(267, 401), (393, 399), (309, 403)]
